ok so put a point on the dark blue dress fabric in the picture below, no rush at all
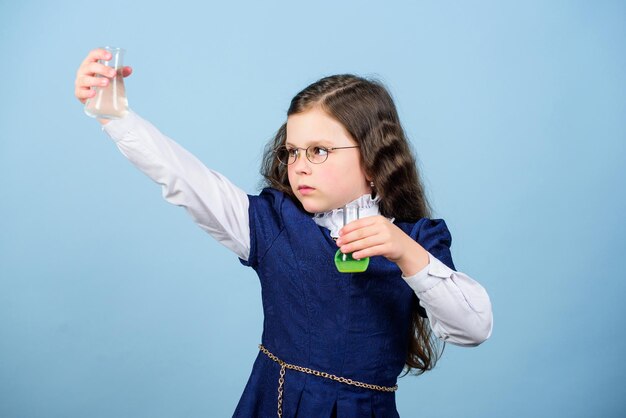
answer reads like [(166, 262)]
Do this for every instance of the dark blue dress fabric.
[(350, 325)]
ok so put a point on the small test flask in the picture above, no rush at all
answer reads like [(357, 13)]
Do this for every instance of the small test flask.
[(110, 101), (344, 262)]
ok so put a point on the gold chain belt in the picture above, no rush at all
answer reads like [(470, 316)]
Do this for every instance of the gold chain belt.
[(281, 379)]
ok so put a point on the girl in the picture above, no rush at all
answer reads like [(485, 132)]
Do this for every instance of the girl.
[(333, 344)]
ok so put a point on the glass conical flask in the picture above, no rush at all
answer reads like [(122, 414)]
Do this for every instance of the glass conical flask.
[(110, 101), (344, 262)]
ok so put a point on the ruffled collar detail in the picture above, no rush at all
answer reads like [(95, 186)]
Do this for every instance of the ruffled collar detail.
[(333, 219)]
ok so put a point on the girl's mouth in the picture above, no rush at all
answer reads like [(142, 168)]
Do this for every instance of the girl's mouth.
[(304, 190)]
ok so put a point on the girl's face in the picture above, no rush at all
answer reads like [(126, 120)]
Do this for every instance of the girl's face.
[(338, 180)]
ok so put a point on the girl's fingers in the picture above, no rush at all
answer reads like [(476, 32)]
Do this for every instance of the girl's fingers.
[(369, 252), (359, 246), (126, 71), (85, 81), (97, 68), (89, 81), (90, 69), (95, 55), (103, 70), (83, 94), (358, 224), (376, 239), (362, 243), (86, 65), (357, 234), (85, 74)]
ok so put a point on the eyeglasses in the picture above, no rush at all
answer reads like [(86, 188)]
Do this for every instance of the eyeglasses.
[(314, 153)]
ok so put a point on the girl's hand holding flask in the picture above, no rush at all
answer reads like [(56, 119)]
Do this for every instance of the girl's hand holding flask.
[(376, 235), (99, 84)]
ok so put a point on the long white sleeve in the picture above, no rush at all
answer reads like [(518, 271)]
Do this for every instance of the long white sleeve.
[(458, 307), (215, 204)]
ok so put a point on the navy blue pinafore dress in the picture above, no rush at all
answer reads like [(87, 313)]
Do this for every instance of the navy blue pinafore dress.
[(351, 325)]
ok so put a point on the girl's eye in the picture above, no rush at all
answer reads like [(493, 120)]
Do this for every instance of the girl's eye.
[(320, 151), (292, 151)]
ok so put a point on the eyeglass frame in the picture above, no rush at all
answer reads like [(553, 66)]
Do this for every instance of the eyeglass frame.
[(306, 152)]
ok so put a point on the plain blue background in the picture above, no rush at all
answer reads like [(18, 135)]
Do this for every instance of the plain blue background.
[(114, 304)]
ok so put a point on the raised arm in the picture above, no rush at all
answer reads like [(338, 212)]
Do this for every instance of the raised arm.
[(215, 204)]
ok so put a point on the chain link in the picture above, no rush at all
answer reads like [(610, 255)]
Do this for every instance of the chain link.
[(281, 379)]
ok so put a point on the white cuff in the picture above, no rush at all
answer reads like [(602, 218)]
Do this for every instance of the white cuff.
[(430, 276), (117, 128)]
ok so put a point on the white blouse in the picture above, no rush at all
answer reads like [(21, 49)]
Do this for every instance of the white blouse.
[(458, 307)]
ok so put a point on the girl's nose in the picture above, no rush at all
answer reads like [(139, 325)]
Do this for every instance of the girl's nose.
[(302, 164)]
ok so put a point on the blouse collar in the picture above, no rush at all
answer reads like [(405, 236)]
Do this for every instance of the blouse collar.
[(333, 219)]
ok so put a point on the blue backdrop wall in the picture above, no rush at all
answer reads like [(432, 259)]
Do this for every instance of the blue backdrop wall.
[(114, 304)]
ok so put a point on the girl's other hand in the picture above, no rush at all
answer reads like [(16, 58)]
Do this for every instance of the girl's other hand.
[(375, 235), (86, 74)]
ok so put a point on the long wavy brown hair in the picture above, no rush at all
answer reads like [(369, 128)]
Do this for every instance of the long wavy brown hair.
[(367, 111)]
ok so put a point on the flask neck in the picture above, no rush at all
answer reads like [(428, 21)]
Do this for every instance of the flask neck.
[(350, 213), (117, 57)]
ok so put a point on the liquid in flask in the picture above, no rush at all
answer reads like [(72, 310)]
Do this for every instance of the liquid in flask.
[(110, 101), (345, 263)]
